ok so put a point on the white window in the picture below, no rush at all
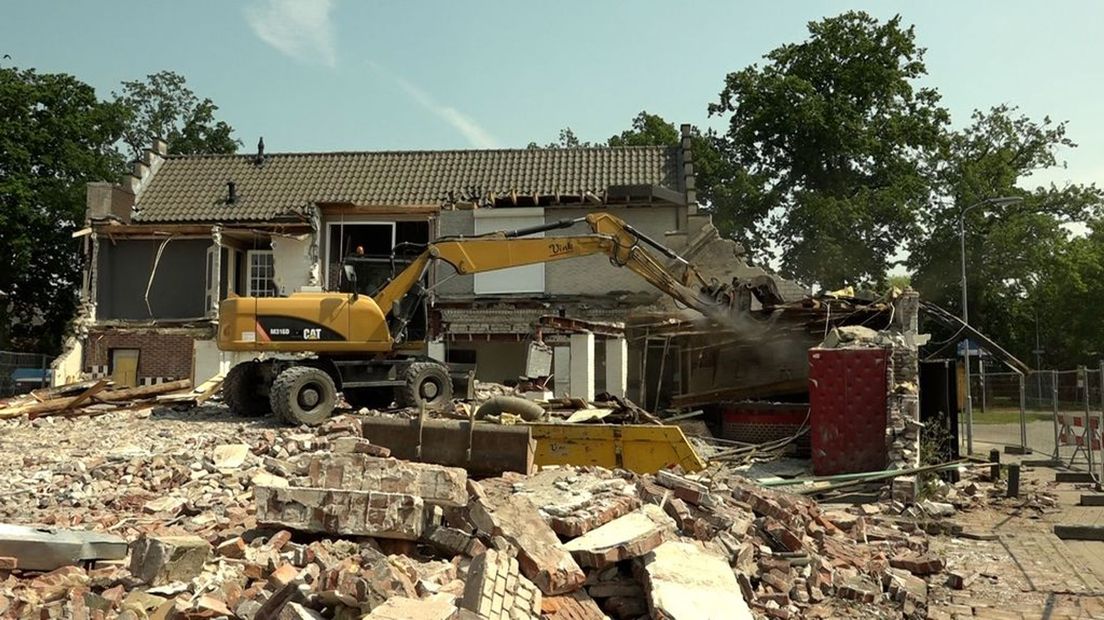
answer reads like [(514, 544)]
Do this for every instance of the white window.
[(262, 269), (525, 279)]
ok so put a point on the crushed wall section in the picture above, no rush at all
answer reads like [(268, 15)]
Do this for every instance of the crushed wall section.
[(163, 352)]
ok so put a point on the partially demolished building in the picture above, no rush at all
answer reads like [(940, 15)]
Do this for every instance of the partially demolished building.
[(181, 233)]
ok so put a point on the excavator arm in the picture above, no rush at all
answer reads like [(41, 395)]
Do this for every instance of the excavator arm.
[(625, 246)]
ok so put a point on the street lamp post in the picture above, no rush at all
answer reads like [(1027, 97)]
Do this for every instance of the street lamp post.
[(998, 202)]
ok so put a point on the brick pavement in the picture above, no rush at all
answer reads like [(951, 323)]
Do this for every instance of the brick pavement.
[(1028, 572)]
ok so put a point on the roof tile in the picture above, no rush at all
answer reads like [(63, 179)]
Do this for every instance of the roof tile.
[(192, 188)]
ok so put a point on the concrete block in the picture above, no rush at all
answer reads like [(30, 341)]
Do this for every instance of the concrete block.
[(625, 537), (685, 582), (1092, 500), (435, 484), (617, 366), (357, 513), (158, 560), (496, 590), (230, 456), (543, 559), (1079, 532), (582, 366), (1073, 476), (402, 608)]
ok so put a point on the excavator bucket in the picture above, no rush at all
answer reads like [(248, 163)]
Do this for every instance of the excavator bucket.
[(644, 449), (490, 449)]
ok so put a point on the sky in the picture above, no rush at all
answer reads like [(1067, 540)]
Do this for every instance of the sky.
[(323, 75)]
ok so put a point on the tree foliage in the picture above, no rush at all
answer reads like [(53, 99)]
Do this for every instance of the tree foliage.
[(55, 136), (829, 144), (1016, 255), (163, 106)]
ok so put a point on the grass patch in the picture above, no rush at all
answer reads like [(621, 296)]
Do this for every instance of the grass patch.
[(1003, 415)]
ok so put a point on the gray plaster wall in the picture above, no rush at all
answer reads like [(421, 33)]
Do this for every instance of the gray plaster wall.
[(123, 270), (591, 275)]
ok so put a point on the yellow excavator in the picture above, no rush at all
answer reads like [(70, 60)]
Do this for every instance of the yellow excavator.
[(316, 345)]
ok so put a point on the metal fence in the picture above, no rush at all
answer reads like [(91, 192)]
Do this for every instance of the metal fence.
[(1051, 413), (23, 372)]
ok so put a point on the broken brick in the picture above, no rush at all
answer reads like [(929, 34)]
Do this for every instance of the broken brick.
[(158, 560), (542, 557)]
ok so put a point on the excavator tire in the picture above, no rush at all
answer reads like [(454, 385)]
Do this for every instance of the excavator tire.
[(370, 397), (303, 395), (426, 383), (240, 390)]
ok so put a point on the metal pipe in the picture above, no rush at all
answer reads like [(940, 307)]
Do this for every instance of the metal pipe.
[(1086, 433), (1054, 407), (1001, 201), (966, 347), (1100, 480), (1023, 416)]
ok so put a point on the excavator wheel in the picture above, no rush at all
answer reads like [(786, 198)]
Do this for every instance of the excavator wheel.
[(425, 382), (241, 390), (370, 397), (303, 395)]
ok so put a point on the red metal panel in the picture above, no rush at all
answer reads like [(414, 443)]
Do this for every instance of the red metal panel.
[(847, 397)]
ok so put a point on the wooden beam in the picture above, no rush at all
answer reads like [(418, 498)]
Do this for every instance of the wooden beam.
[(393, 211), (80, 398), (61, 404)]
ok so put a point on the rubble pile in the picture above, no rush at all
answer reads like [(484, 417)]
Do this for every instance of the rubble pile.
[(243, 521)]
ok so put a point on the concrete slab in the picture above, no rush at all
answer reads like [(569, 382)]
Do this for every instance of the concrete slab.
[(47, 549), (685, 582), (402, 608), (1079, 532), (1073, 476), (574, 502), (1092, 500), (630, 536)]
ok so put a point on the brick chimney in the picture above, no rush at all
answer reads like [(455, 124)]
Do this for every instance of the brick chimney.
[(688, 180)]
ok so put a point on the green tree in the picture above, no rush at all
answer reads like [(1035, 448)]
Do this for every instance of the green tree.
[(1015, 254), (163, 106), (568, 140), (55, 136), (829, 146)]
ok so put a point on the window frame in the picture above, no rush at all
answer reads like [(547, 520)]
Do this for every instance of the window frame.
[(249, 277)]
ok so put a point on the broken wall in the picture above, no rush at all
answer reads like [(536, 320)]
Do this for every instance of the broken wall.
[(592, 275), (123, 271), (294, 264), (163, 352)]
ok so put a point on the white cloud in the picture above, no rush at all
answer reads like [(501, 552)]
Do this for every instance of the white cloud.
[(477, 135), (301, 29)]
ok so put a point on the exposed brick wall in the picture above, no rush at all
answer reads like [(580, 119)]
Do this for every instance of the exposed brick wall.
[(163, 352)]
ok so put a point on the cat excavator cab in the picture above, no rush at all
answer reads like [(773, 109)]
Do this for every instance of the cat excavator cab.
[(310, 346)]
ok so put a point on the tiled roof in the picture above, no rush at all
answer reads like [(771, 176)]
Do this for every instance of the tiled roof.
[(194, 187)]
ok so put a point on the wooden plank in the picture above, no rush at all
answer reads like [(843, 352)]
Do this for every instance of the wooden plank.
[(76, 401), (209, 388), (44, 394), (137, 393)]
